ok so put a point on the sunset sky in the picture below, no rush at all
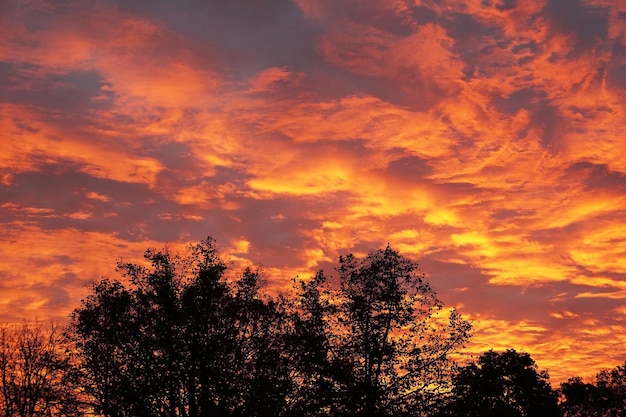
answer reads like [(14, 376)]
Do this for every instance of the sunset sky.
[(485, 139)]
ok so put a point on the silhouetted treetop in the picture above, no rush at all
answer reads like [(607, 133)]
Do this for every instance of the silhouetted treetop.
[(605, 397), (376, 343), (500, 385), (176, 338)]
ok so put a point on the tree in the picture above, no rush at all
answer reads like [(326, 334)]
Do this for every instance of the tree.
[(581, 399), (503, 384), (312, 353), (177, 339), (612, 385), (604, 398), (104, 333), (377, 346), (36, 373)]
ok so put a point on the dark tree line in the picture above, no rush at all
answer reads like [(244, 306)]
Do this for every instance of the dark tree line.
[(181, 337), (604, 398), (505, 384), (176, 338)]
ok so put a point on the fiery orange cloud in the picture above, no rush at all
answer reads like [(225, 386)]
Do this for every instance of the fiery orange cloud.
[(484, 139)]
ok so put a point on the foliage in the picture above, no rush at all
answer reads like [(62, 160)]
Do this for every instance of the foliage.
[(178, 340), (500, 385), (605, 398), (174, 337), (376, 344)]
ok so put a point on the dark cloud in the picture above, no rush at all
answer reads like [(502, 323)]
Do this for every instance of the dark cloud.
[(68, 93), (422, 15), (522, 99), (509, 214), (588, 22), (616, 69), (248, 37), (505, 5), (409, 167), (549, 119), (57, 198), (598, 176)]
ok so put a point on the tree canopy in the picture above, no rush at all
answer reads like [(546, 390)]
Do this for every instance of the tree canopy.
[(177, 338), (382, 333), (505, 384), (605, 397), (184, 336)]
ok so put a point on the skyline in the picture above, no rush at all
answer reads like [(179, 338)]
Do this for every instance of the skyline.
[(484, 139)]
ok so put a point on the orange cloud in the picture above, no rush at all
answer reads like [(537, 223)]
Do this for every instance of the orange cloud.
[(43, 141), (484, 139)]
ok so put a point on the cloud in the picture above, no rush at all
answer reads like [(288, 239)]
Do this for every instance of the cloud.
[(482, 138)]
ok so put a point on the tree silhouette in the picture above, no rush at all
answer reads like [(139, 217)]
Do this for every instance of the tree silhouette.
[(177, 339), (174, 337), (612, 385), (604, 398), (314, 356), (36, 373), (582, 399), (500, 385), (376, 346)]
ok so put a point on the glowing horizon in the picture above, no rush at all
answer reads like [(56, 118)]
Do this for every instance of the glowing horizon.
[(485, 139)]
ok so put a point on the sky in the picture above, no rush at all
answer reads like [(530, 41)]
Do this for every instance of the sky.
[(484, 139)]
